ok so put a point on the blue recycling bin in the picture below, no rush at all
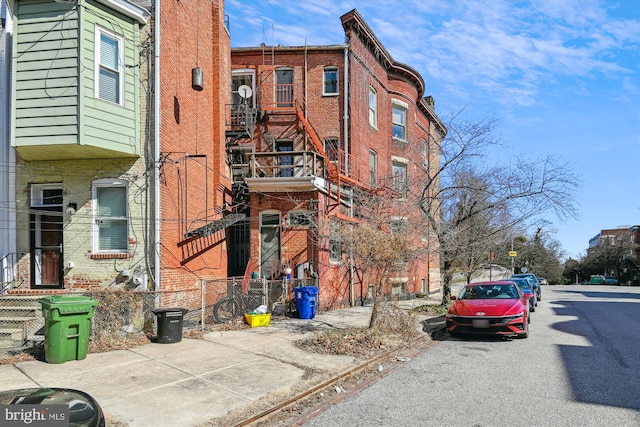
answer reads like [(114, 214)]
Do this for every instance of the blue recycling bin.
[(306, 301)]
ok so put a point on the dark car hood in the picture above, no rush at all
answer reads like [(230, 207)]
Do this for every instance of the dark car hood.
[(490, 307)]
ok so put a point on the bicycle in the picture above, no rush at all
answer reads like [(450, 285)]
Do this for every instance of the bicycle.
[(237, 304)]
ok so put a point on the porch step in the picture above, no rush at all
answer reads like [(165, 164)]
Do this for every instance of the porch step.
[(21, 321), (21, 311)]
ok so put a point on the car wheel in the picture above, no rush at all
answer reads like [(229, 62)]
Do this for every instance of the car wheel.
[(526, 333), (533, 309)]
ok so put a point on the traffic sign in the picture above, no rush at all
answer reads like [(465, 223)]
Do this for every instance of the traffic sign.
[(513, 253)]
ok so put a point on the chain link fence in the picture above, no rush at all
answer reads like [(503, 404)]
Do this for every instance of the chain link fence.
[(125, 318)]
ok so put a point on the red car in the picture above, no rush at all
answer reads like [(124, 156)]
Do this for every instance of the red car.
[(497, 308)]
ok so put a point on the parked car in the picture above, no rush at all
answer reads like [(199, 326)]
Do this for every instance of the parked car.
[(608, 280), (493, 308), (527, 290), (83, 410), (543, 281), (598, 279), (534, 282)]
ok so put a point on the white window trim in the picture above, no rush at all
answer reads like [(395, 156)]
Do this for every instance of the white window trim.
[(425, 153), (374, 109), (95, 231), (246, 72), (405, 107), (324, 81), (337, 140), (96, 72), (36, 193)]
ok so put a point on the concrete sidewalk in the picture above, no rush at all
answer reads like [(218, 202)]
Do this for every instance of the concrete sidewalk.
[(193, 381)]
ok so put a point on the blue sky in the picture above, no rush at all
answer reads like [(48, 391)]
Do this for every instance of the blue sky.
[(561, 76)]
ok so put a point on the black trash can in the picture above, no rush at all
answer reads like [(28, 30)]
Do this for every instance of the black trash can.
[(170, 324)]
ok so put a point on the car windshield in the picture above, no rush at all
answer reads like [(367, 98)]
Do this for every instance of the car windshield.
[(522, 283), (529, 279), (489, 292)]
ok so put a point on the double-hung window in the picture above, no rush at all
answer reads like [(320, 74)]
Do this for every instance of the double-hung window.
[(399, 113), (330, 81), (335, 242), (373, 107), (111, 223), (109, 66), (331, 149), (238, 79), (373, 168), (399, 172), (425, 154), (399, 225)]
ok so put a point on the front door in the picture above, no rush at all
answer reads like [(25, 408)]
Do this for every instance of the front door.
[(45, 222)]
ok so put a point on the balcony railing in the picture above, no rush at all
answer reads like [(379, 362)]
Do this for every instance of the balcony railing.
[(240, 118), (287, 164)]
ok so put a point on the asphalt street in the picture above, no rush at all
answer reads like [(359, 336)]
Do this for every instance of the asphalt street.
[(579, 367)]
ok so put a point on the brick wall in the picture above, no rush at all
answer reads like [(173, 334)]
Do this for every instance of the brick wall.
[(194, 175), (326, 115)]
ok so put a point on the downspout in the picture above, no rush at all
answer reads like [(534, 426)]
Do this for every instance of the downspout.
[(345, 117), (7, 154), (156, 149)]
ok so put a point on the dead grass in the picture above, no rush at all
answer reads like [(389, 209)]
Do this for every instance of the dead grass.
[(395, 329), (432, 309)]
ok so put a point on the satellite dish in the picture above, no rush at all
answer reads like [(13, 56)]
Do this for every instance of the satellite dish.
[(245, 91)]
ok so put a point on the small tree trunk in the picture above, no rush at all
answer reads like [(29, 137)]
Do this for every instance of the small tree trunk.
[(377, 300), (447, 276)]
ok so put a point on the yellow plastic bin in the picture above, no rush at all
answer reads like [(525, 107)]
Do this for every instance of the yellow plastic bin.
[(67, 324), (255, 320)]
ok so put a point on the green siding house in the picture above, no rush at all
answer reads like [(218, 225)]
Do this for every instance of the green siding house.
[(76, 79)]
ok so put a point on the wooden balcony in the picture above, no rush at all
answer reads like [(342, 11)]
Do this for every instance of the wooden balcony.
[(280, 171)]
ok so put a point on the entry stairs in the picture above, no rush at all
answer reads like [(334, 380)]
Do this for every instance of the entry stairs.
[(21, 322)]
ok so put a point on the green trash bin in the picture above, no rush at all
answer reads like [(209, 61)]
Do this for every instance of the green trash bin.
[(67, 322)]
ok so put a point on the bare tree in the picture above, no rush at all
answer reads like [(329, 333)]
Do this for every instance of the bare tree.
[(467, 189), (386, 240)]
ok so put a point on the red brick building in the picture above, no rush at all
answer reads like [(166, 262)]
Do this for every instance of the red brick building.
[(310, 128), (194, 182)]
